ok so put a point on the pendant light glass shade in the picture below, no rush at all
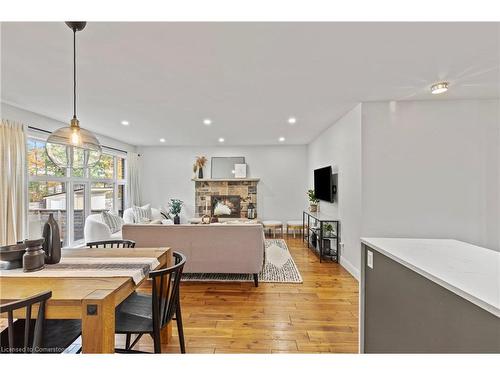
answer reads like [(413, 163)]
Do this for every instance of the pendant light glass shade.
[(72, 146)]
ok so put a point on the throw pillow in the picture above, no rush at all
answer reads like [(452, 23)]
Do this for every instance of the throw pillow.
[(114, 222), (142, 214), (165, 214)]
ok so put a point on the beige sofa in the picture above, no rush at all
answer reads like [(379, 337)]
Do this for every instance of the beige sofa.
[(214, 248)]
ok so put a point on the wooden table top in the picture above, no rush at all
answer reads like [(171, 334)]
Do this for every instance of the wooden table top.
[(72, 290)]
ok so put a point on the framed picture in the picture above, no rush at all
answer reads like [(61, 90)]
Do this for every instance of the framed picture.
[(240, 171)]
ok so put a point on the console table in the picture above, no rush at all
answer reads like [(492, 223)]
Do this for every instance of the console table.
[(320, 231)]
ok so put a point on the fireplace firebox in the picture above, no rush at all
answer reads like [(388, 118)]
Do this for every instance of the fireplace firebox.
[(231, 201)]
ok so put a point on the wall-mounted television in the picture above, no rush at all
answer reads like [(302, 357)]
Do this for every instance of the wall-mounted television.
[(324, 184)]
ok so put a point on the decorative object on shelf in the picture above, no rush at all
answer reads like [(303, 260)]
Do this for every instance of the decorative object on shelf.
[(11, 256), (223, 166), (214, 219), (200, 163), (195, 169), (240, 171), (205, 219), (328, 230), (52, 244), (313, 201), (221, 209), (251, 213), (73, 147), (175, 206), (34, 257)]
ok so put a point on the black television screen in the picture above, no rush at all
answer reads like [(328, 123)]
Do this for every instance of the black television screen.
[(323, 184)]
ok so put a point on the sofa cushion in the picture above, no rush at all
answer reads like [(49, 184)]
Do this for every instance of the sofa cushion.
[(142, 214), (114, 222)]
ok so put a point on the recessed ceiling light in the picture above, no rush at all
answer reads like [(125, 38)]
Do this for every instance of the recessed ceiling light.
[(125, 123), (439, 88), (292, 120), (162, 140), (207, 122), (281, 139), (221, 140)]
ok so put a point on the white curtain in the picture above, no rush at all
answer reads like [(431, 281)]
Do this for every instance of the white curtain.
[(133, 180), (13, 188)]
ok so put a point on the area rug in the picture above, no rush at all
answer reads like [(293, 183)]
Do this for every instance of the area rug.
[(279, 267)]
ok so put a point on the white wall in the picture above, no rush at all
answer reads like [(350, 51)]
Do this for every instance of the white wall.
[(166, 173), (431, 169), (340, 147), (36, 120)]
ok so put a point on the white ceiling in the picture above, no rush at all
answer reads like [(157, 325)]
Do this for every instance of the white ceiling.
[(165, 78)]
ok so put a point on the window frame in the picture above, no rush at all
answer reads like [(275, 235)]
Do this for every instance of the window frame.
[(69, 180)]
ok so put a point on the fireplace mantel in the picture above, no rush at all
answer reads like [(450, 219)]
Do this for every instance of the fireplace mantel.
[(224, 179)]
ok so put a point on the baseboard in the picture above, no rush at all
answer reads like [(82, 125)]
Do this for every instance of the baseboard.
[(350, 268)]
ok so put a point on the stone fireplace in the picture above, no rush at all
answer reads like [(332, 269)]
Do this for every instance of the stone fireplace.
[(236, 193)]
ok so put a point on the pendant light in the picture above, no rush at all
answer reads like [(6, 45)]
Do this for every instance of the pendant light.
[(73, 146)]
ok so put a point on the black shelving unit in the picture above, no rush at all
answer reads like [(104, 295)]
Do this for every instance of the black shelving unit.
[(317, 236)]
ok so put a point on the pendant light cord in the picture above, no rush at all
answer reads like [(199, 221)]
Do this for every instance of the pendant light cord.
[(74, 73)]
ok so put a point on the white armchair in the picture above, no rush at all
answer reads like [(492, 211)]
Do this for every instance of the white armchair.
[(96, 230)]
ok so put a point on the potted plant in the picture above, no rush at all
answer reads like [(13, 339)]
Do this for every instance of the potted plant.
[(313, 201), (328, 229), (175, 206), (200, 163)]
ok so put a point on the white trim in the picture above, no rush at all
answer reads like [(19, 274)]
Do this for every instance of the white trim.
[(350, 268)]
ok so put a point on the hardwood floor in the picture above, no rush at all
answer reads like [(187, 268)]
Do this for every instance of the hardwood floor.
[(320, 315)]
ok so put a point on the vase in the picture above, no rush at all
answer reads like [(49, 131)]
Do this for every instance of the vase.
[(313, 207), (177, 219), (200, 173), (34, 257), (52, 244)]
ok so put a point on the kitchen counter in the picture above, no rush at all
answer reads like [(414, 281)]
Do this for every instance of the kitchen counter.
[(470, 271), (429, 296)]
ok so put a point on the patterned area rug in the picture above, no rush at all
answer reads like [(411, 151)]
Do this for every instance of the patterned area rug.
[(279, 267)]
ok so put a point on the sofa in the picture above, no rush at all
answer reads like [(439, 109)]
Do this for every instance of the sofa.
[(96, 230), (214, 248)]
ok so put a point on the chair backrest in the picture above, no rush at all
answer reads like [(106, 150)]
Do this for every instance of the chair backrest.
[(111, 244), (28, 304), (165, 295)]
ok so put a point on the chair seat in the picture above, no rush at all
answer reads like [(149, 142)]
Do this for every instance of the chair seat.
[(134, 315), (58, 334)]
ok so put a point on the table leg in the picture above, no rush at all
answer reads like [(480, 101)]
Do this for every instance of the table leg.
[(98, 322), (166, 334)]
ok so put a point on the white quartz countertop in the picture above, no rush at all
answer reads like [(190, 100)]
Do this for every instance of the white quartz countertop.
[(469, 271)]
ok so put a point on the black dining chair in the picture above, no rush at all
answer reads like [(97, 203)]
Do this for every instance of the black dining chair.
[(38, 335), (149, 313), (111, 244)]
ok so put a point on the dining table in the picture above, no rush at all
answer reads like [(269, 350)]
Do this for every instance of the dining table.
[(91, 297)]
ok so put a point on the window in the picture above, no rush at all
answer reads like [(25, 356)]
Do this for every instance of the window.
[(73, 194), (39, 163), (101, 197), (104, 168), (45, 198)]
